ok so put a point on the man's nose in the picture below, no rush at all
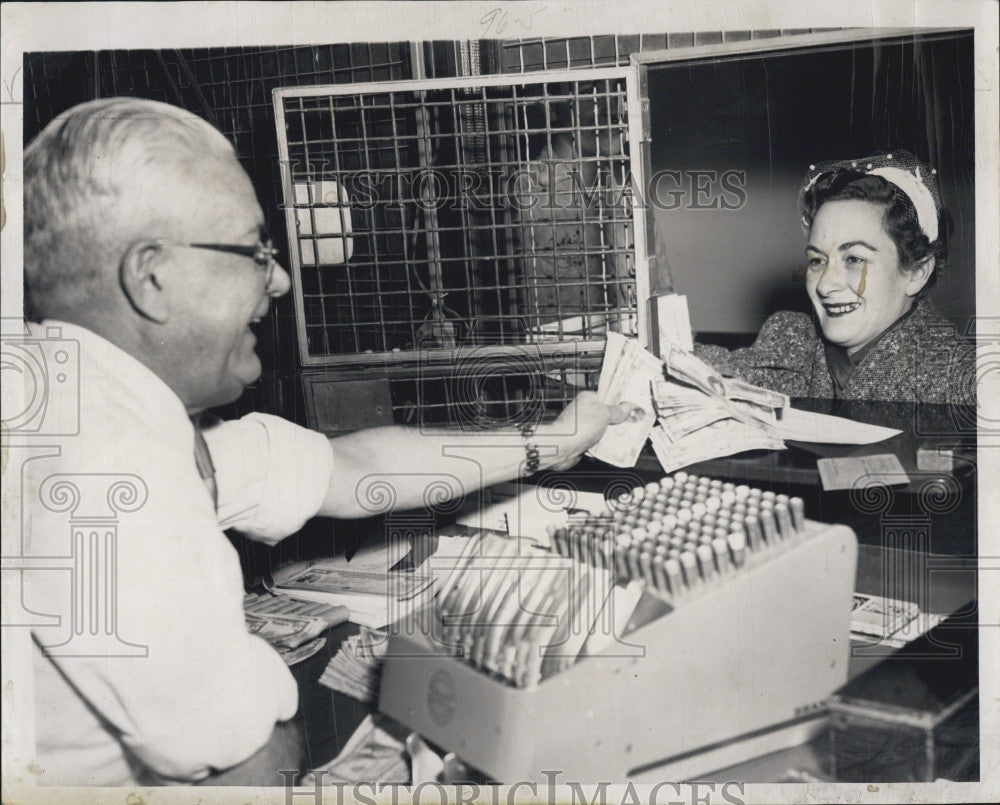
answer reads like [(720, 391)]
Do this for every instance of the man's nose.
[(280, 283)]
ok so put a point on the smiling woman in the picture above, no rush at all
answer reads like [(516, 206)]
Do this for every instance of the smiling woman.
[(877, 238)]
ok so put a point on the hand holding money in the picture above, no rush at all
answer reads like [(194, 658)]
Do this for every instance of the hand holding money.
[(700, 413), (583, 423)]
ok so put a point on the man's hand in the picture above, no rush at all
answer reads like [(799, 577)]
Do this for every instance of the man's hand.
[(581, 425)]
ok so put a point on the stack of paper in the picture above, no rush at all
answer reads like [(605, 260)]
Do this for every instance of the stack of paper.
[(357, 667), (693, 416), (673, 321), (374, 599)]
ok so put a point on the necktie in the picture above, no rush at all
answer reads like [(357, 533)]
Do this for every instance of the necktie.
[(203, 459)]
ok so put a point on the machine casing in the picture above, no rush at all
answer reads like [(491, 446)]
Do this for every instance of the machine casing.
[(757, 648)]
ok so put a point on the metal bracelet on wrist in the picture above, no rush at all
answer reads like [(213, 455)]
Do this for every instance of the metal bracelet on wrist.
[(531, 453)]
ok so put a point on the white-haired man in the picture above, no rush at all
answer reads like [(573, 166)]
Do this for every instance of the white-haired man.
[(144, 244)]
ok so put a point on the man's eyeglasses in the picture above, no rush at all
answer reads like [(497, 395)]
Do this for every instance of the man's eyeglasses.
[(263, 254)]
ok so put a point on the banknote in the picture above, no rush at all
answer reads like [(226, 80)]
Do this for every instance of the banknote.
[(685, 366), (271, 603), (723, 438), (373, 754), (879, 616), (736, 389), (698, 413), (356, 668), (629, 378)]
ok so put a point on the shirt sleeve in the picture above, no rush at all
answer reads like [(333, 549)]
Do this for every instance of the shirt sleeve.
[(272, 474)]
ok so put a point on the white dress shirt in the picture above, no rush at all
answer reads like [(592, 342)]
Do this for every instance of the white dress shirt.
[(198, 692)]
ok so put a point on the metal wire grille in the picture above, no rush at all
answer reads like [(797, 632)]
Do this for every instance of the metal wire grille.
[(452, 214), (557, 53)]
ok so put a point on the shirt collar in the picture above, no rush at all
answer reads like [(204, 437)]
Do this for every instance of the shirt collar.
[(99, 360)]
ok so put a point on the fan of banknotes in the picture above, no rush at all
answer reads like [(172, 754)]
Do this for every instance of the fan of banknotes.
[(691, 412), (295, 629)]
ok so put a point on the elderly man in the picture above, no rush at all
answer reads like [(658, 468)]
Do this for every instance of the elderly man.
[(144, 244)]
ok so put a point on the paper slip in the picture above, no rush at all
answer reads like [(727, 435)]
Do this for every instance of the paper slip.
[(846, 473), (373, 754), (806, 426), (526, 510), (673, 321), (630, 379)]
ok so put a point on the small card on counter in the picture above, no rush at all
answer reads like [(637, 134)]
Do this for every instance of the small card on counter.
[(846, 473), (879, 616)]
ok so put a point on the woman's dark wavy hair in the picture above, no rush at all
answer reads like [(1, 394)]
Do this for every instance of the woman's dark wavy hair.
[(899, 217)]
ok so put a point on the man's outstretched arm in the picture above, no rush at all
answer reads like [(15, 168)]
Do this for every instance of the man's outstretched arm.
[(411, 458)]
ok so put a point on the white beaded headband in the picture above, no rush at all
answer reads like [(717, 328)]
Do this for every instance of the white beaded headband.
[(907, 177)]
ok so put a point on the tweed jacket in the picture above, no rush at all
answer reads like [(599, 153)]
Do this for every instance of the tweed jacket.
[(921, 360)]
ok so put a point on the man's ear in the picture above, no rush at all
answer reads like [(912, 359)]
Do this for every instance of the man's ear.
[(140, 274), (918, 275)]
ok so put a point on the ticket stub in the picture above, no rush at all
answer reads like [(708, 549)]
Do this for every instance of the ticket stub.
[(880, 617), (846, 473)]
